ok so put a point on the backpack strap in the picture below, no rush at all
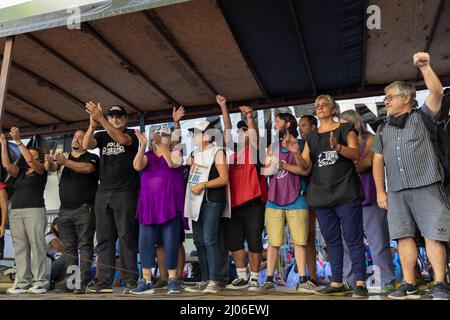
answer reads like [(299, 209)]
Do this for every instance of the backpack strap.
[(381, 128)]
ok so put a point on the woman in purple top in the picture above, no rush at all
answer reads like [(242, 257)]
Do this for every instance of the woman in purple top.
[(374, 218), (160, 207)]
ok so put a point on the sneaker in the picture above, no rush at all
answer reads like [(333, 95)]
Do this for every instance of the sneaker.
[(99, 287), (253, 285), (308, 287), (405, 292), (348, 288), (37, 290), (16, 290), (331, 291), (160, 284), (213, 287), (440, 292), (238, 284), (268, 286), (174, 286), (199, 287), (388, 288), (360, 293), (144, 288)]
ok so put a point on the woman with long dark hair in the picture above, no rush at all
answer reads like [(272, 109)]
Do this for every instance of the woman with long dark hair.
[(27, 219)]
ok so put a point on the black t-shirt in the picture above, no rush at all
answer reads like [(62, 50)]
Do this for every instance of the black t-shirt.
[(77, 189), (29, 190), (334, 179), (116, 163)]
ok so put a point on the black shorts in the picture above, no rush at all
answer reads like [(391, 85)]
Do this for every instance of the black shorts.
[(246, 223)]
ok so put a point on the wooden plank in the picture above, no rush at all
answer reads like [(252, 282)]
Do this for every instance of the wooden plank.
[(6, 67)]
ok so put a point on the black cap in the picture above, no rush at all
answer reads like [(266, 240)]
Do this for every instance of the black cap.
[(116, 110), (242, 124)]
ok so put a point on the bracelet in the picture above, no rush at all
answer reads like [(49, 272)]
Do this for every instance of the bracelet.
[(205, 187), (20, 144), (340, 148)]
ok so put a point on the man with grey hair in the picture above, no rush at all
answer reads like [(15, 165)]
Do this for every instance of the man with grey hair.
[(415, 197)]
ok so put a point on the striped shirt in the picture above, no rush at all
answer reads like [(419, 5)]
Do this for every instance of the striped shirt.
[(409, 155)]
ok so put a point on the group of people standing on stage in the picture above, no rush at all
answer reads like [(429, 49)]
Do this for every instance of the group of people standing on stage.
[(335, 173)]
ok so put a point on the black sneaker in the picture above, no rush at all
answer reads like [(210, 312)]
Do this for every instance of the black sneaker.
[(161, 284), (100, 287), (238, 284), (360, 293), (406, 292), (331, 291)]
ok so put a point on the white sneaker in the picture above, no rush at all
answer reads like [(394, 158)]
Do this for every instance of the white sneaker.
[(238, 284), (16, 290), (37, 290), (213, 287), (253, 285)]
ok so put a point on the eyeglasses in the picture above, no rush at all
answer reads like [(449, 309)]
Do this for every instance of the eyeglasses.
[(390, 97)]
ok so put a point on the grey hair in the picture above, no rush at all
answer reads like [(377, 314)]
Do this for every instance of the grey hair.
[(404, 89), (331, 101), (353, 117)]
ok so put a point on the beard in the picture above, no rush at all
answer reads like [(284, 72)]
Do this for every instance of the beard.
[(282, 132)]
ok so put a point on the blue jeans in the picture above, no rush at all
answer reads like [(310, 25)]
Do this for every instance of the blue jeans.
[(345, 221), (206, 238)]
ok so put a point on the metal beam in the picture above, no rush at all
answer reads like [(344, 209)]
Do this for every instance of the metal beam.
[(50, 84), (213, 109), (4, 74), (364, 45), (170, 40), (34, 106), (59, 56), (244, 55), (432, 32), (301, 43), (100, 38)]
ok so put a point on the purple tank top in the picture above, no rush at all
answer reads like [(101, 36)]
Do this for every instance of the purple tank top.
[(367, 182), (284, 187), (162, 192)]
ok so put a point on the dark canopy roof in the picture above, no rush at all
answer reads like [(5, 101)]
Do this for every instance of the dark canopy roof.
[(266, 53)]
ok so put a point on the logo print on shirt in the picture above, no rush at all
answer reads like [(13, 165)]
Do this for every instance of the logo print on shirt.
[(112, 149), (327, 158), (282, 172)]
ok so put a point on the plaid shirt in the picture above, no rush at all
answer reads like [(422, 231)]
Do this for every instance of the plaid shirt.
[(409, 155)]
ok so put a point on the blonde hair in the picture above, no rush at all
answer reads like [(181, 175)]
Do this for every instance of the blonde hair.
[(331, 101)]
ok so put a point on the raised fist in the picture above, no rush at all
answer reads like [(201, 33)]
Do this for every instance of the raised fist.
[(221, 100), (421, 59)]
